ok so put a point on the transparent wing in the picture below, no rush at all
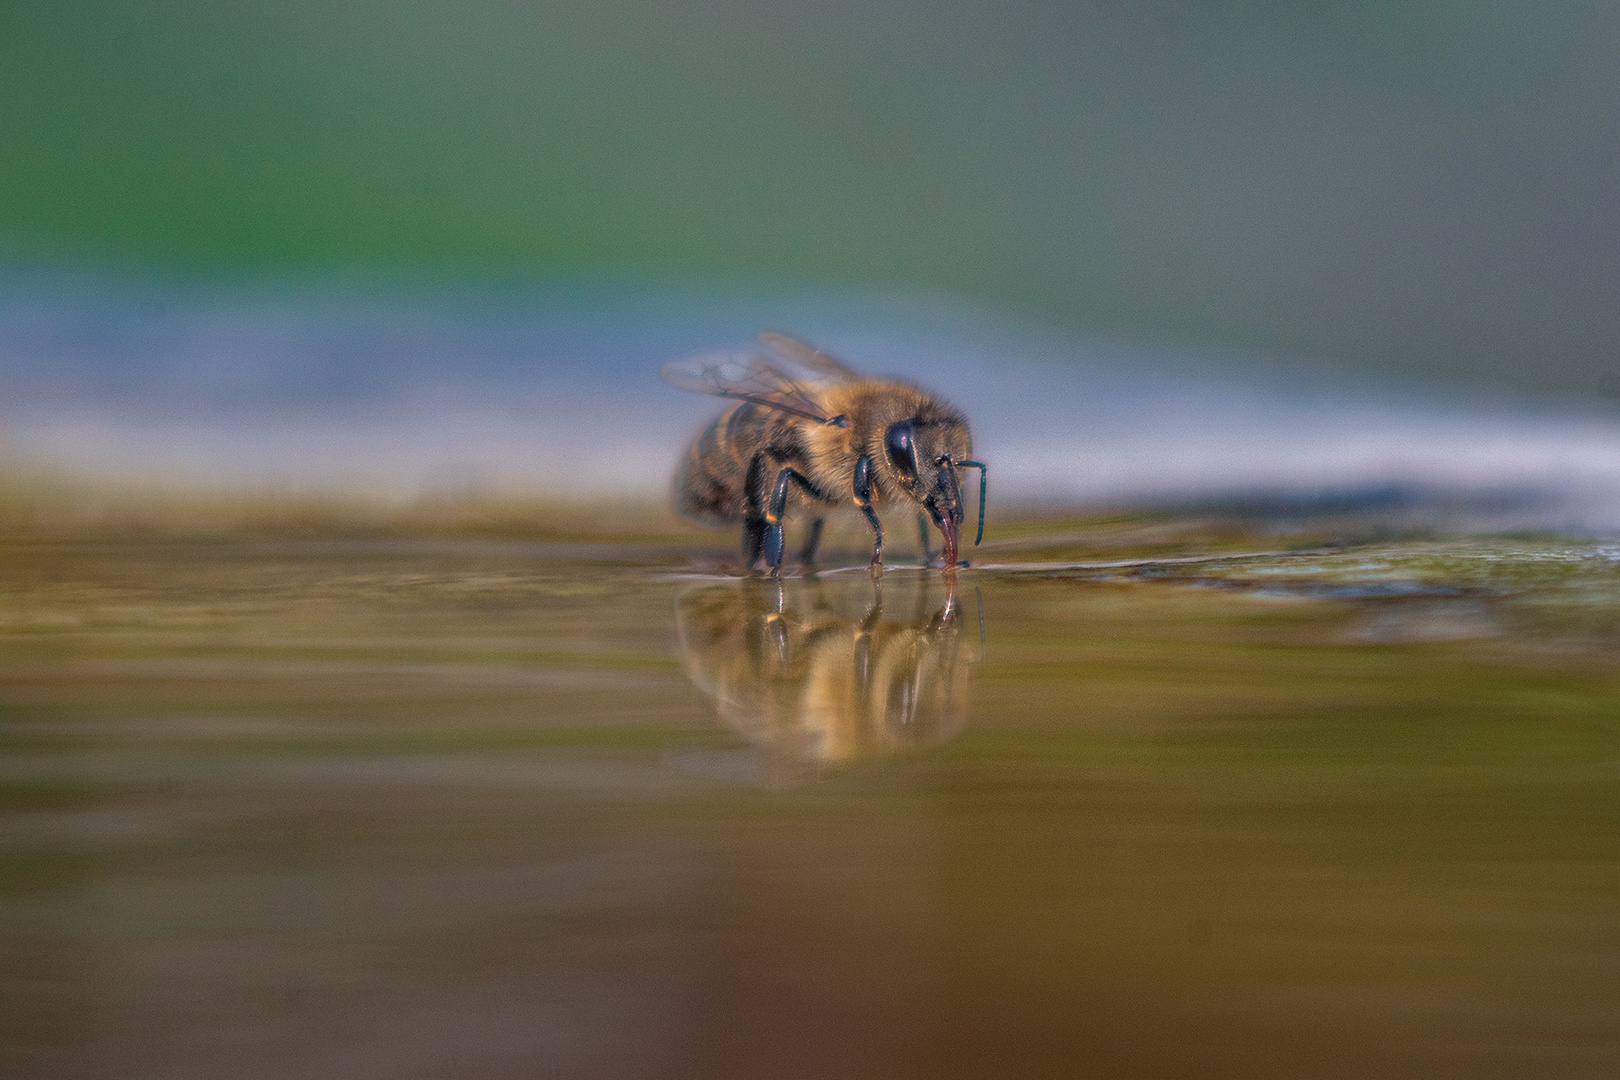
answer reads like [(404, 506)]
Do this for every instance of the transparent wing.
[(745, 377), (808, 357)]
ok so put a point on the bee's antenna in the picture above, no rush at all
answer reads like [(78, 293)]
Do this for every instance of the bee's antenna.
[(980, 466)]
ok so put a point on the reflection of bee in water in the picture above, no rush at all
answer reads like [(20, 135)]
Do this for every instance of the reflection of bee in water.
[(819, 687), (830, 431)]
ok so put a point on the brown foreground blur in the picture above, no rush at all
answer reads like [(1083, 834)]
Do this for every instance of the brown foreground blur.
[(1150, 797)]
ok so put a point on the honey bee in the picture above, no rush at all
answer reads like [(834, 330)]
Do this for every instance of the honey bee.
[(808, 421)]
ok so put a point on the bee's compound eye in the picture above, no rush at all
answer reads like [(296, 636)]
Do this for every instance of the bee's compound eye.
[(902, 452)]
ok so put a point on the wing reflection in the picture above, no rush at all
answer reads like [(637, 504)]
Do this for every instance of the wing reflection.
[(808, 685)]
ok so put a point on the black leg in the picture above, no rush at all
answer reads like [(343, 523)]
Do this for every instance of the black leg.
[(863, 499), (773, 516), (753, 539), (877, 535), (812, 543)]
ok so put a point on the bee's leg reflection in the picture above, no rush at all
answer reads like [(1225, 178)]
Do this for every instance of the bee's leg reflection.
[(875, 611), (777, 628), (770, 644), (863, 639), (818, 594), (812, 543)]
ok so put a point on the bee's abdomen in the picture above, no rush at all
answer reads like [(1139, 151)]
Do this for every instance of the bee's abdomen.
[(709, 485)]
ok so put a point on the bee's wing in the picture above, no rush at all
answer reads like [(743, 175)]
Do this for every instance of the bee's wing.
[(745, 378), (808, 357)]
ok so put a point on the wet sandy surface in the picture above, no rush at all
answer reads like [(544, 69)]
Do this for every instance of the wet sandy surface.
[(483, 810)]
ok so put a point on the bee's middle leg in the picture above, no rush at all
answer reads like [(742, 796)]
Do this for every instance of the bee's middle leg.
[(773, 521), (812, 543), (753, 541), (753, 538), (774, 511)]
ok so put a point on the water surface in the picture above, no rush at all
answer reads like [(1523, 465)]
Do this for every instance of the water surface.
[(469, 809)]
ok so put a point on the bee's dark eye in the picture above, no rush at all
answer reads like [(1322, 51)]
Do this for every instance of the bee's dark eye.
[(902, 453)]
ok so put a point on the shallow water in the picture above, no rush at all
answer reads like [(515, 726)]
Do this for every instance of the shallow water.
[(461, 809)]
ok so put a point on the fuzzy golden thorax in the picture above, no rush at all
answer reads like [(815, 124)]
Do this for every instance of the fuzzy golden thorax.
[(870, 408)]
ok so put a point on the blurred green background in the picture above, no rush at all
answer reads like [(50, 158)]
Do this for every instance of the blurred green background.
[(1425, 190)]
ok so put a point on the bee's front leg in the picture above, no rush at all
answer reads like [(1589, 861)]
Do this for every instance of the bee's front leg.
[(863, 499)]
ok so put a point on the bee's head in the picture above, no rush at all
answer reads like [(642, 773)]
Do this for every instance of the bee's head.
[(925, 454)]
